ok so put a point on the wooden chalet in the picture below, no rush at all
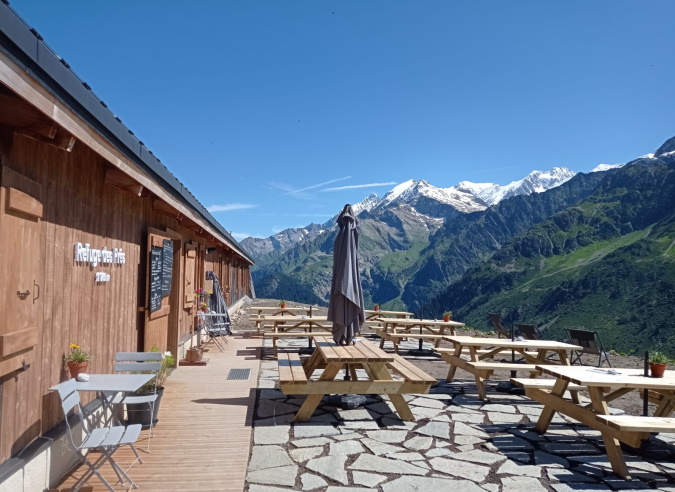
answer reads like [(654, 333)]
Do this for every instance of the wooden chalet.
[(85, 209)]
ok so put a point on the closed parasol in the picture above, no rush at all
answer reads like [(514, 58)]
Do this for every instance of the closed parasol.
[(346, 308)]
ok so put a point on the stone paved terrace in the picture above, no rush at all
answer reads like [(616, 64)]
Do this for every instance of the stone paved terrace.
[(458, 444)]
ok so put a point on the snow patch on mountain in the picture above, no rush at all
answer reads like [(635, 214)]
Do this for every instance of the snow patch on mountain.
[(607, 167)]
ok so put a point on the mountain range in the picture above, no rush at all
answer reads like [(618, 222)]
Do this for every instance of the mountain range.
[(556, 249), (464, 197)]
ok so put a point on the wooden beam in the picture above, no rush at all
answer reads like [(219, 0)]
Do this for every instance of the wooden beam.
[(161, 207), (117, 179)]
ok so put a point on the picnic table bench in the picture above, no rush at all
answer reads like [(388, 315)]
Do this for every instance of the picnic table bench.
[(282, 325), (386, 374)]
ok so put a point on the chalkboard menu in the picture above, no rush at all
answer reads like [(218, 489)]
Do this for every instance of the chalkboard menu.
[(167, 267), (156, 278)]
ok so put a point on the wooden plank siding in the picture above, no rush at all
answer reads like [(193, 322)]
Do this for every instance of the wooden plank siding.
[(106, 317)]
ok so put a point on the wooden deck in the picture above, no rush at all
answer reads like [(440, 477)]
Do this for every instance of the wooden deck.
[(202, 441)]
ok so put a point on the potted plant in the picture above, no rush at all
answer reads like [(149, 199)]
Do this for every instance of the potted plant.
[(376, 307), (658, 361), (447, 315), (142, 413), (282, 304), (204, 307), (77, 360)]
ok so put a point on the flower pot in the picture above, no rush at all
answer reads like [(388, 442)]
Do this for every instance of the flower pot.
[(657, 370), (193, 354), (77, 368), (282, 306), (376, 308), (142, 413), (446, 318)]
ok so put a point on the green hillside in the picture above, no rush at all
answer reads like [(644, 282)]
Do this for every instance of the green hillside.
[(607, 264)]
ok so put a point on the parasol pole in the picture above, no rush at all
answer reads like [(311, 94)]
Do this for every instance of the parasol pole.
[(645, 396)]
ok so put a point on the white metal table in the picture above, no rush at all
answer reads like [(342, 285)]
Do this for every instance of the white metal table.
[(104, 384)]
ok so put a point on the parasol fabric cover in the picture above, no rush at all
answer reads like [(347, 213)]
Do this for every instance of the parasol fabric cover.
[(346, 308)]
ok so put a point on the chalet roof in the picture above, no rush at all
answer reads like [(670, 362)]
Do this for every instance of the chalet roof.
[(25, 47)]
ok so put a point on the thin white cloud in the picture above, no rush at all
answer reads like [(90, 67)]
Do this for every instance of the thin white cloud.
[(295, 215), (240, 235), (302, 192), (320, 185), (230, 206), (352, 187)]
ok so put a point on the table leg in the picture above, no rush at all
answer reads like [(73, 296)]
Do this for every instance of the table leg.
[(312, 401), (544, 421), (453, 368), (380, 371), (441, 330), (612, 445)]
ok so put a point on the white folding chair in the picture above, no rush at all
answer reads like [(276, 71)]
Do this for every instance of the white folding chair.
[(105, 439), (148, 362)]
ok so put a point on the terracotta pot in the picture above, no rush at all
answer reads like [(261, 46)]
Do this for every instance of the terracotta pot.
[(446, 318), (76, 368), (282, 306), (376, 308), (657, 370)]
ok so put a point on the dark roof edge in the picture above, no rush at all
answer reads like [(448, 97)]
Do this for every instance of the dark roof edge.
[(27, 49)]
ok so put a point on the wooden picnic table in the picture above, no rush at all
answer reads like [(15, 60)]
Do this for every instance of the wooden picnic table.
[(282, 325), (371, 314), (275, 311), (604, 385), (395, 329), (379, 366), (533, 351)]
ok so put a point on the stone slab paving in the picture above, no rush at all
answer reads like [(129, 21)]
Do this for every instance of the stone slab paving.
[(457, 444)]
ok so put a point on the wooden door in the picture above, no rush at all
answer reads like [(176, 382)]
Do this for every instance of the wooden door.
[(158, 299), (20, 303)]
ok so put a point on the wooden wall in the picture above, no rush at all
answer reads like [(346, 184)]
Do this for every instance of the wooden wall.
[(105, 318)]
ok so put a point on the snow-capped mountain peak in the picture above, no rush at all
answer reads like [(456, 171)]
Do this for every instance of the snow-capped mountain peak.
[(366, 204), (535, 182), (411, 191)]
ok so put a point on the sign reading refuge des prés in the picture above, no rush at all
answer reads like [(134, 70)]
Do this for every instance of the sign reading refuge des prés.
[(94, 257)]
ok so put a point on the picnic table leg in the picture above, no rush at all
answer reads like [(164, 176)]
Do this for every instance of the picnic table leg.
[(564, 361), (453, 368), (544, 421), (312, 401), (612, 445), (312, 363), (380, 371)]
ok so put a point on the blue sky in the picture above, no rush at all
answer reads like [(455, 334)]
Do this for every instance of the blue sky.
[(276, 113)]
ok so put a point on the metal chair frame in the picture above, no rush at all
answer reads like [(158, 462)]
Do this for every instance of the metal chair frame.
[(106, 439), (150, 362), (591, 343)]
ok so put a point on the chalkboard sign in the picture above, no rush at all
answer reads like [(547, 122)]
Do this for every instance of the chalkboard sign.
[(167, 267), (156, 278)]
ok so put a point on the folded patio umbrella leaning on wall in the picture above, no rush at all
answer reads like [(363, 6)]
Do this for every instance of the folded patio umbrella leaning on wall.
[(345, 307)]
